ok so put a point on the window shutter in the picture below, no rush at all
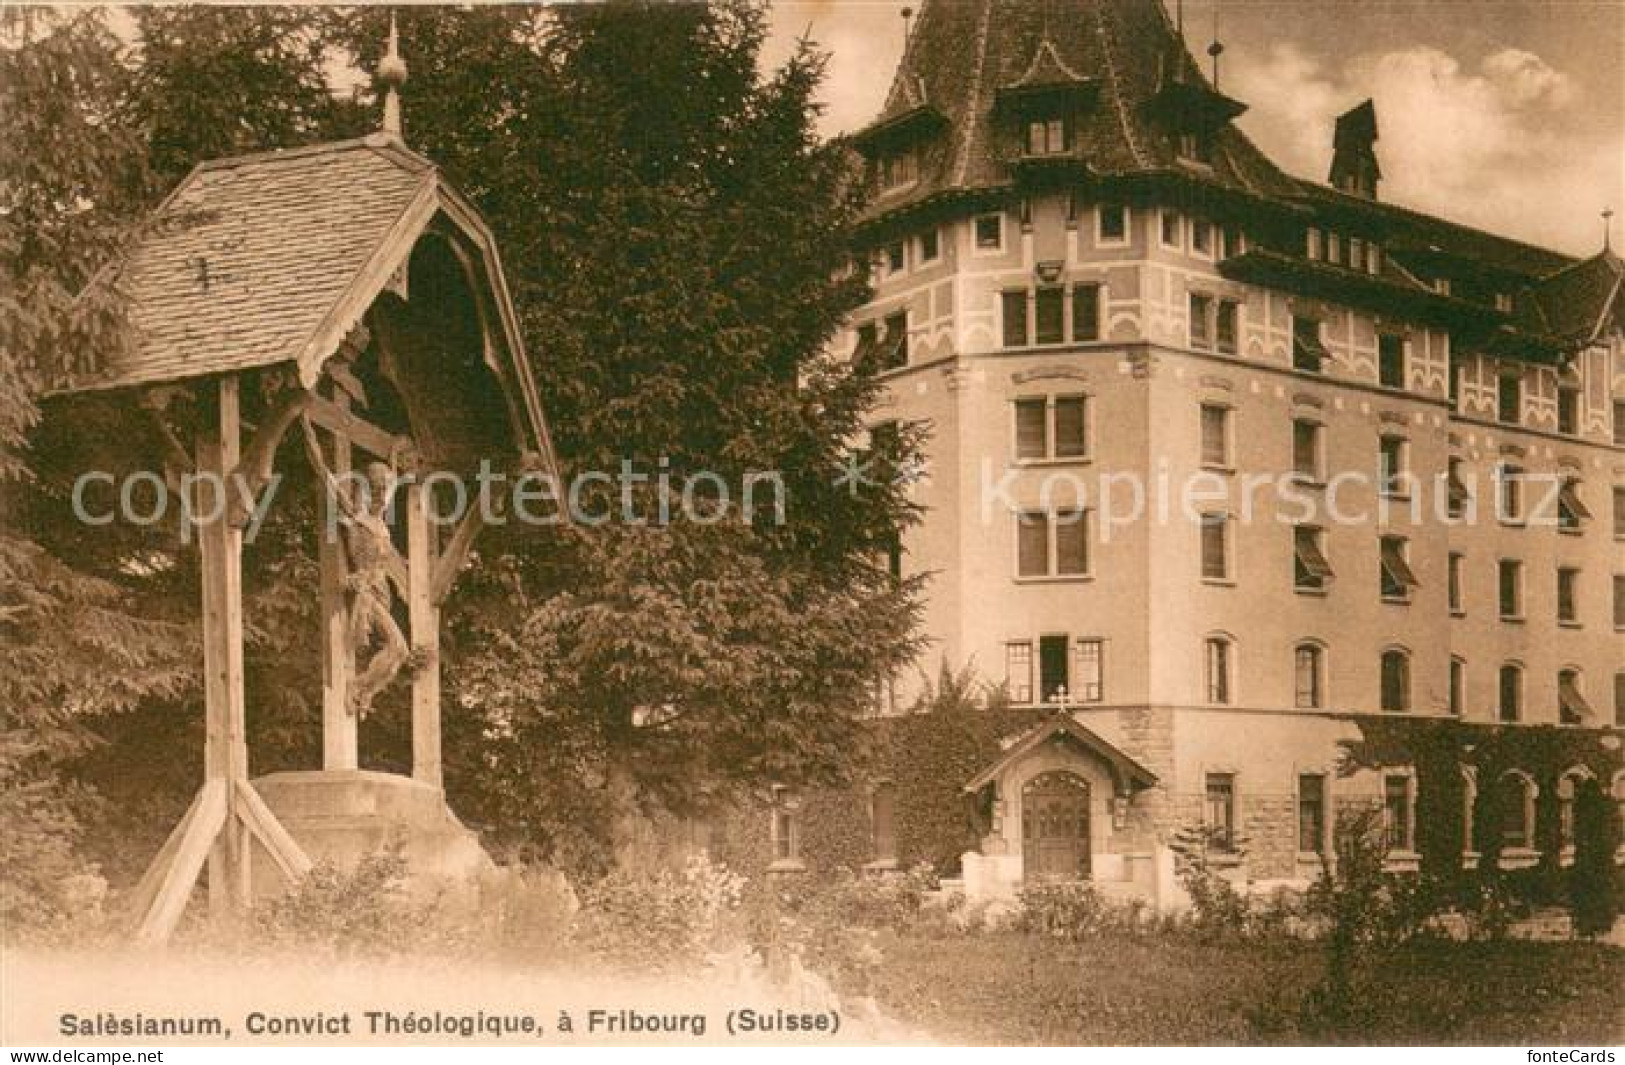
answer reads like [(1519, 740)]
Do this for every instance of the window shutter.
[(1071, 543), (1015, 319), (1071, 427), (1086, 312), (1032, 436), (1033, 545), (1051, 303)]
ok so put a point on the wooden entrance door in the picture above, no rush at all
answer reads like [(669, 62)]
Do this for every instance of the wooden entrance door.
[(1055, 827)]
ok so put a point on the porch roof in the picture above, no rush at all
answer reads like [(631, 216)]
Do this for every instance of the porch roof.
[(1128, 774)]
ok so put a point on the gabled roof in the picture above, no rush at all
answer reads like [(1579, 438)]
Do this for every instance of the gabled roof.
[(963, 53), (1578, 303), (1127, 773), (273, 258)]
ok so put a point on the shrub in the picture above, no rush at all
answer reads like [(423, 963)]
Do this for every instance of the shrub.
[(1075, 911), (653, 919), (1592, 893), (1216, 907), (524, 911), (361, 910)]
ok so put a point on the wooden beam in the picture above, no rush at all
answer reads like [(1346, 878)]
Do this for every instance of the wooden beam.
[(340, 421), (451, 560), (221, 549), (282, 847), (146, 889), (200, 831), (250, 475), (424, 614)]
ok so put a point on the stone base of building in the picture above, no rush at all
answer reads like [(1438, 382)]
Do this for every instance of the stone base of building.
[(342, 816)]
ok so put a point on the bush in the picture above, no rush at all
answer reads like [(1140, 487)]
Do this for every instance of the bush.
[(653, 919), (1075, 911), (522, 911), (1592, 887), (364, 910), (1216, 907)]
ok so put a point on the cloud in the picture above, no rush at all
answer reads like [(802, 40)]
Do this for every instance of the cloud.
[(1501, 145)]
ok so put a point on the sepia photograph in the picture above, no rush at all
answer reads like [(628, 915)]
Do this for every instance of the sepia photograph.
[(812, 523)]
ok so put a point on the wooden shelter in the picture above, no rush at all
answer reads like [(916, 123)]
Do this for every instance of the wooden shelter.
[(346, 294)]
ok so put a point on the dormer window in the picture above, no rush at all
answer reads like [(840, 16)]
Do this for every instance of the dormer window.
[(1048, 136), (1503, 302), (1196, 148), (898, 169)]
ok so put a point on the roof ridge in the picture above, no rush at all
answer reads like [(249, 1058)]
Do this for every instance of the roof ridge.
[(384, 145), (1045, 47), (973, 101), (1108, 50)]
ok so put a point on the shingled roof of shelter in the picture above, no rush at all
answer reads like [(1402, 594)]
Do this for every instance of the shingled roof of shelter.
[(962, 52), (250, 258), (1578, 302)]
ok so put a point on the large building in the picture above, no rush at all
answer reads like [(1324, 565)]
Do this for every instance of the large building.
[(1379, 457)]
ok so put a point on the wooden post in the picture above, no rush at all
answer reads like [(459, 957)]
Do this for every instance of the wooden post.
[(221, 550), (339, 745), (424, 616)]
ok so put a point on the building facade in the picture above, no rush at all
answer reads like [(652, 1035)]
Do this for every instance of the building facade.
[(1220, 460)]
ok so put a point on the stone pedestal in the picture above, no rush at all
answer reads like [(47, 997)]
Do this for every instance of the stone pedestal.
[(341, 816)]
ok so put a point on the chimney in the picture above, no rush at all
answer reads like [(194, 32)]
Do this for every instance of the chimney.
[(1354, 152)]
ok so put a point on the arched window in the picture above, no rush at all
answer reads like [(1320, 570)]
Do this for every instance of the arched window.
[(1567, 785), (1219, 665), (786, 827), (1309, 672), (1469, 799), (1510, 699), (1396, 680), (1516, 794)]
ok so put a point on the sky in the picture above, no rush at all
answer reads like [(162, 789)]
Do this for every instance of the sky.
[(1508, 115)]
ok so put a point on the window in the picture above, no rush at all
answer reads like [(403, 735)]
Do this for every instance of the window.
[(1111, 223), (1311, 813), (1619, 601), (786, 826), (1619, 699), (1572, 708), (1085, 312), (1201, 237), (1221, 810), (1568, 411), (1307, 353), (1215, 435), (1619, 512), (1334, 248), (894, 350), (989, 232), (1018, 671), (1053, 667), (1310, 569), (1046, 136), (868, 343), (1392, 474), (1091, 686), (1509, 688), (1515, 793), (1510, 588), (1306, 451), (1219, 655), (1398, 824), (930, 246), (1619, 423), (1052, 427), (1456, 494), (1052, 544), (1215, 547), (1049, 320), (1357, 255), (1572, 512), (883, 822), (1197, 147), (1453, 583), (1396, 681), (1458, 686), (1391, 360), (1565, 808), (896, 257), (1014, 304), (1509, 399), (1309, 672), (1227, 314), (899, 169), (1201, 320), (1503, 302), (1312, 246), (1170, 231), (1397, 576), (1568, 580), (1509, 501)]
